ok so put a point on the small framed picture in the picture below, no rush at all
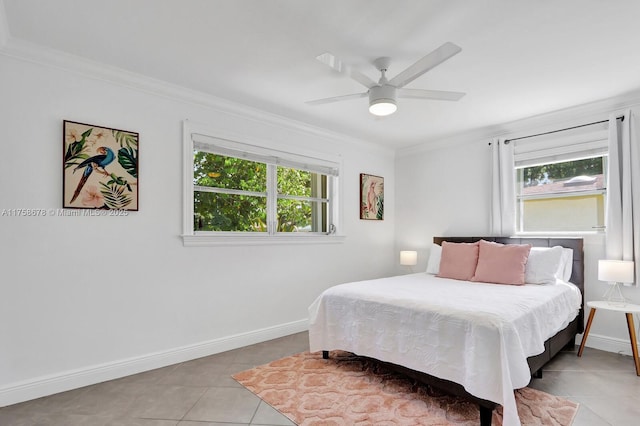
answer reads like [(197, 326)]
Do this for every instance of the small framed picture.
[(371, 197), (100, 167)]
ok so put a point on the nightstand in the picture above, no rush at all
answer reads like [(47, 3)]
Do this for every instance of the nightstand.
[(629, 309)]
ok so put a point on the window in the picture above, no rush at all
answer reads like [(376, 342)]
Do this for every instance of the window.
[(230, 194), (562, 197), (561, 181), (247, 192)]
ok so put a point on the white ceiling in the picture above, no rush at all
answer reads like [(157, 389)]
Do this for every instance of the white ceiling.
[(519, 58)]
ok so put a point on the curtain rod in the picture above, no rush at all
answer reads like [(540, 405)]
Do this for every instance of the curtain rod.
[(561, 130)]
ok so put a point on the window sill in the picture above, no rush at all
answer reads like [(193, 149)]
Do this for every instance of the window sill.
[(558, 234), (211, 240), (589, 237)]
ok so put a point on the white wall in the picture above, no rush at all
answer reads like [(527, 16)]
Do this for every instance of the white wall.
[(445, 191), (85, 299), (440, 192)]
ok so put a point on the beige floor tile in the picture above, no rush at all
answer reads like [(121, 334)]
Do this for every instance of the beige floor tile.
[(202, 393), (267, 415), (166, 401), (618, 411), (225, 405)]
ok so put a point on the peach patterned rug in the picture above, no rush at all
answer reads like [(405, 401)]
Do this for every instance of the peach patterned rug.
[(351, 390)]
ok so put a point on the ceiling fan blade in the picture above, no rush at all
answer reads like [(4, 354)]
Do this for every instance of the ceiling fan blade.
[(440, 95), (337, 99), (430, 61), (343, 68)]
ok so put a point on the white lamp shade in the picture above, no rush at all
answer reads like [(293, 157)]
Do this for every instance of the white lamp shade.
[(408, 257), (619, 271)]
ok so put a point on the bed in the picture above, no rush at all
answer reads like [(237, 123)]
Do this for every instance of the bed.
[(437, 330)]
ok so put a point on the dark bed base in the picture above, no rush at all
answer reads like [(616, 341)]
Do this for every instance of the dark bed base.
[(563, 339)]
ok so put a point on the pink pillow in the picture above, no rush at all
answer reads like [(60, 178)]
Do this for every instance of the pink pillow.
[(458, 260), (501, 264)]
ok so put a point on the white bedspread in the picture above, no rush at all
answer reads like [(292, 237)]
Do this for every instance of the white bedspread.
[(476, 334)]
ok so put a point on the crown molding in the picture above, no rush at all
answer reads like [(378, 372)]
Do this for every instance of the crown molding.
[(42, 55), (562, 118)]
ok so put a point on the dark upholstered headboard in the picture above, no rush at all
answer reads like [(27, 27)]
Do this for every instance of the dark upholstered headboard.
[(576, 244)]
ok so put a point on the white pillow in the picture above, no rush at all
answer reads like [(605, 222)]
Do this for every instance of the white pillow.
[(433, 266), (566, 264), (544, 265)]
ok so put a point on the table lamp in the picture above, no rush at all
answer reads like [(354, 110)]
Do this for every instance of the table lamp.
[(409, 258), (615, 272)]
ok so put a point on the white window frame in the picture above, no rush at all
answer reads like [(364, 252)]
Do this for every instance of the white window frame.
[(221, 142), (569, 145)]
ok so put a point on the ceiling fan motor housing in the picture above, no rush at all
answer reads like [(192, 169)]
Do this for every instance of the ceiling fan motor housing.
[(379, 95)]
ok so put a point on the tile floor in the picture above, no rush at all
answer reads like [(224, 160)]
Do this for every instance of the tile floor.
[(202, 393)]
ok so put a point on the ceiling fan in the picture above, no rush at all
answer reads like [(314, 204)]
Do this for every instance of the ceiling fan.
[(383, 94)]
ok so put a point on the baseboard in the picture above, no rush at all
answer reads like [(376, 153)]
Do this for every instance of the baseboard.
[(55, 383), (609, 344)]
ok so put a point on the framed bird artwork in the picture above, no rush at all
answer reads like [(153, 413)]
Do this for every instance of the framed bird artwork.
[(371, 197), (100, 167)]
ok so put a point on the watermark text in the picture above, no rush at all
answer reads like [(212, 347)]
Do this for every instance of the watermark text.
[(60, 212)]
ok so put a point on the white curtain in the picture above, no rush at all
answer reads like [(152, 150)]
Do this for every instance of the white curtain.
[(503, 197), (623, 191)]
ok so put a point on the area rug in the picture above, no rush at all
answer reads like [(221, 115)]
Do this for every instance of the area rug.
[(351, 390)]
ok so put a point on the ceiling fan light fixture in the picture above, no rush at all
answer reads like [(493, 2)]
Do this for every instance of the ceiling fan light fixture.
[(382, 100), (383, 107)]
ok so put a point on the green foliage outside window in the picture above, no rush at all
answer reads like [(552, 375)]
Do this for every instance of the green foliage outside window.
[(227, 212), (228, 172), (294, 215), (565, 170), (247, 213)]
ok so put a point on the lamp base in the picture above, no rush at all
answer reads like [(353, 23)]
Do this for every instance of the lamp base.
[(614, 295), (411, 271)]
